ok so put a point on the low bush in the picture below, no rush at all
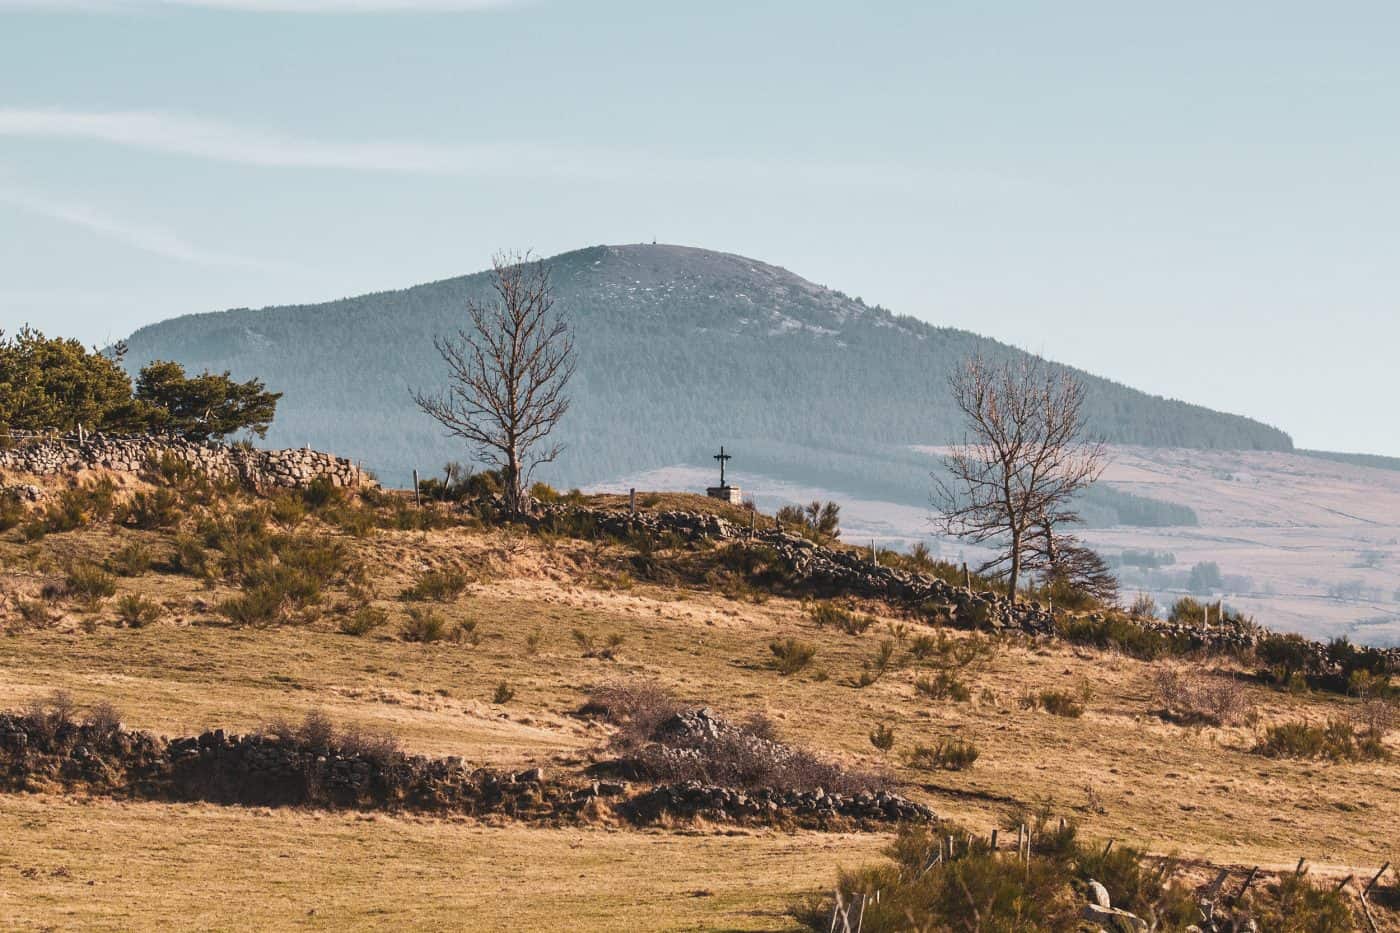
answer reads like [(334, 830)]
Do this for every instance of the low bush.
[(943, 686), (159, 508), (503, 694), (258, 607), (791, 655), (745, 755), (1056, 702), (190, 557), (951, 755), (363, 621), (1121, 634), (136, 611), (12, 512), (636, 707), (1193, 698), (827, 615), (423, 625), (1337, 740), (440, 585), (606, 649), (89, 583), (129, 560), (882, 737), (878, 664), (317, 731), (925, 886)]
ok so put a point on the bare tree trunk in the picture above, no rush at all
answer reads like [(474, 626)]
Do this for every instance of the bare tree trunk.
[(508, 370)]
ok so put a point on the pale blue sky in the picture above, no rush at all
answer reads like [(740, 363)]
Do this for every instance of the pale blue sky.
[(1197, 199)]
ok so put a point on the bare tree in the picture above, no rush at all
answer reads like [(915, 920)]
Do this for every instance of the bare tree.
[(1063, 559), (508, 371), (1022, 461)]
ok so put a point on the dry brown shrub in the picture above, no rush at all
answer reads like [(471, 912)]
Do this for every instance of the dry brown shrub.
[(1195, 698)]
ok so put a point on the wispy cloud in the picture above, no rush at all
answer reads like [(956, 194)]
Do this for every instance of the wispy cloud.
[(184, 135), (265, 6), (191, 136), (151, 239)]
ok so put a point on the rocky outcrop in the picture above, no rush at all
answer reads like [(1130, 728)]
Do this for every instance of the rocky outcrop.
[(810, 808), (251, 467)]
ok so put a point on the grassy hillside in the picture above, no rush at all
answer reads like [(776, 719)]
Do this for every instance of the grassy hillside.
[(679, 350), (525, 607)]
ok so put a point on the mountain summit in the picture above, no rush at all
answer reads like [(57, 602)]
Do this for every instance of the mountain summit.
[(680, 349)]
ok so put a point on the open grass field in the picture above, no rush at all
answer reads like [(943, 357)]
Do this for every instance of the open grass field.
[(1119, 769)]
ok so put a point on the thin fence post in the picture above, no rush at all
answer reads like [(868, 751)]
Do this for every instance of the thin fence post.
[(417, 493), (994, 840), (1372, 883), (632, 500)]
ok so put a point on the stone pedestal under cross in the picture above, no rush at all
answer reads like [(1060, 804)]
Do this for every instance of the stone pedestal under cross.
[(724, 491)]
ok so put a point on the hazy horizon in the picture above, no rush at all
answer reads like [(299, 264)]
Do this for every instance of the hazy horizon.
[(1192, 201)]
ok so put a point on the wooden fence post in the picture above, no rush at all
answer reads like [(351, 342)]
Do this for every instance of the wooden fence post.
[(417, 494)]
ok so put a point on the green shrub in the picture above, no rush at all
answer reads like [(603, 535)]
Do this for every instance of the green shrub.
[(287, 510), (190, 557), (363, 621), (924, 886), (440, 585), (12, 512), (828, 616), (136, 611), (129, 560), (260, 606), (159, 508), (1338, 740), (952, 755), (607, 650), (321, 493), (90, 583), (944, 685), (1057, 703), (878, 664), (882, 737), (423, 625), (791, 655), (504, 694), (1119, 633)]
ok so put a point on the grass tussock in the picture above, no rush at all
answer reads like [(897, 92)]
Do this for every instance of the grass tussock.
[(1057, 702), (438, 585), (949, 755), (135, 611), (827, 615), (1335, 740), (791, 655)]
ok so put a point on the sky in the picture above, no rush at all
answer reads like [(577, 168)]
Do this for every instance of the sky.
[(1196, 199)]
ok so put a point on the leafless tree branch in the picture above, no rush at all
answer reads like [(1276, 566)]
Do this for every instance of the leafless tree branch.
[(507, 374), (1024, 457)]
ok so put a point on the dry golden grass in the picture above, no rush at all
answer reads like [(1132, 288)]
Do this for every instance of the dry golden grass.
[(99, 865), (1122, 771)]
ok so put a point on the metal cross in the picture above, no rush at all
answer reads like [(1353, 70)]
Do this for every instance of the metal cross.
[(721, 457)]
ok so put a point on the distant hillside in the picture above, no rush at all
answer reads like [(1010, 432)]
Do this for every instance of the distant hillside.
[(1374, 461), (680, 350)]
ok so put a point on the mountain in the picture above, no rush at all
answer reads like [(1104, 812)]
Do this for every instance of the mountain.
[(679, 350)]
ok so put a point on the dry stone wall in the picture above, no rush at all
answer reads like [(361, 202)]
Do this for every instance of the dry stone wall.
[(253, 468)]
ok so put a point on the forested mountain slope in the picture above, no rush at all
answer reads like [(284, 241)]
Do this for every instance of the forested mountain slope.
[(680, 350)]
